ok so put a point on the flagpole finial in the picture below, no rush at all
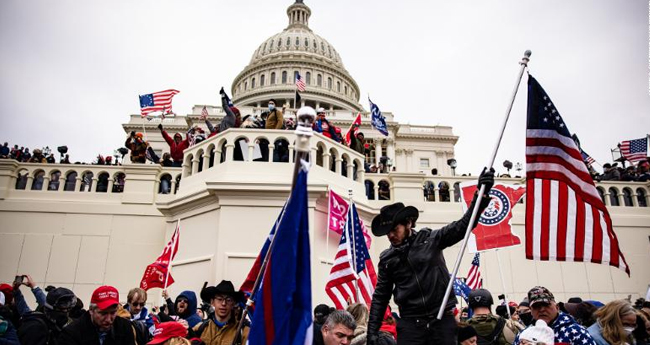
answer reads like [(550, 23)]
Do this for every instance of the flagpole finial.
[(526, 58)]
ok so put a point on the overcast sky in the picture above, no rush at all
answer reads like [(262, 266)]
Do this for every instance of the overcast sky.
[(70, 71)]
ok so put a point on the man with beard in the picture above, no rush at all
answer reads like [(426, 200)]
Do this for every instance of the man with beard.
[(183, 309), (221, 327), (43, 328), (100, 325)]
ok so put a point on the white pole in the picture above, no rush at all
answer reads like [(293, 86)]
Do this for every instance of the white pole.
[(171, 256), (354, 256), (503, 283), (445, 298), (327, 231)]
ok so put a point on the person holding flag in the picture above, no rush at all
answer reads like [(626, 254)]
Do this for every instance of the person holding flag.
[(414, 271)]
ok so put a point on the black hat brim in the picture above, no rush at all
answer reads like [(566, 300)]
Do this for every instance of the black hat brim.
[(382, 230), (209, 292)]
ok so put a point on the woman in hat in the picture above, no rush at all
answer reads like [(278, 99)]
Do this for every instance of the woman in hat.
[(413, 270)]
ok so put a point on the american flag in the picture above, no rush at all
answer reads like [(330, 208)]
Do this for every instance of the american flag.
[(299, 83), (635, 150), (157, 101), (474, 280), (343, 280), (587, 158), (204, 113), (565, 218)]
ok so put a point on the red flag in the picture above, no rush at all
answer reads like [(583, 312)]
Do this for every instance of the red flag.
[(493, 229), (337, 216), (156, 273), (354, 128)]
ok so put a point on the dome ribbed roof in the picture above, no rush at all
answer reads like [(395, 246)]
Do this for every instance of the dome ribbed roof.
[(297, 37)]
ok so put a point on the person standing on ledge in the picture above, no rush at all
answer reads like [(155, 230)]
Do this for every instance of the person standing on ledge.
[(414, 271)]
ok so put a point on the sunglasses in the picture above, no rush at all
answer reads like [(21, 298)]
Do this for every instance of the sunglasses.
[(138, 304)]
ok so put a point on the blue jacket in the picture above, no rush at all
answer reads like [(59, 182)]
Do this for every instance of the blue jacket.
[(568, 331), (190, 314)]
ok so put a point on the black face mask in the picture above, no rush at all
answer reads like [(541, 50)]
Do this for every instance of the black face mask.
[(526, 318), (60, 318)]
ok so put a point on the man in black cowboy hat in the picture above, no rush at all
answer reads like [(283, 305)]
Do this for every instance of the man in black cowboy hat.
[(221, 327), (414, 271)]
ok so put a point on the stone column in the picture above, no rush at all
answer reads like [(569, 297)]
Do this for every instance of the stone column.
[(230, 151), (195, 165), (409, 160), (376, 191), (173, 186), (111, 182), (390, 149), (251, 151), (350, 171), (635, 200), (292, 157), (206, 160), (361, 175), (77, 182), (326, 160), (271, 149), (377, 142), (95, 184), (338, 165), (607, 200)]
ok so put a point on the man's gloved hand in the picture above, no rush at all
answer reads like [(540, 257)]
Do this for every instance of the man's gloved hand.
[(486, 178), (222, 92), (160, 126), (371, 339), (132, 133)]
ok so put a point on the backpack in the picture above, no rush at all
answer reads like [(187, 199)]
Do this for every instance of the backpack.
[(492, 338), (39, 318)]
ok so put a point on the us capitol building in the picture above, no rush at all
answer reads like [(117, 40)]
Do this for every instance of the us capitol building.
[(78, 233)]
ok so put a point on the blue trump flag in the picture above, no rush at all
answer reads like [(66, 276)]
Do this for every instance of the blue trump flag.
[(283, 304), (378, 120), (461, 289)]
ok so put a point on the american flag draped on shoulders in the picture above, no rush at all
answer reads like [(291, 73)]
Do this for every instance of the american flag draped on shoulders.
[(474, 280), (635, 150), (157, 101), (565, 218), (344, 276)]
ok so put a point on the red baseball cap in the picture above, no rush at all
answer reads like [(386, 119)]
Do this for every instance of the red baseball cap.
[(105, 296), (167, 330)]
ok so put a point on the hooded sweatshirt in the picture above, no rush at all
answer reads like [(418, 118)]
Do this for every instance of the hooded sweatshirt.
[(190, 314)]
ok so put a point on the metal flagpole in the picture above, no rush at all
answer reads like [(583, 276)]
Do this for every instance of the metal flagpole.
[(171, 255), (329, 219), (354, 252), (303, 133), (503, 283), (481, 192)]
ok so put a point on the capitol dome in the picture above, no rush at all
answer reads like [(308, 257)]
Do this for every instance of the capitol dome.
[(297, 49)]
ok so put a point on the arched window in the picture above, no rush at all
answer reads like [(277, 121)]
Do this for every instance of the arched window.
[(641, 197), (102, 182), (262, 77), (345, 90), (295, 76), (118, 183), (444, 191), (245, 85), (70, 181), (319, 80), (322, 47), (272, 78), (384, 190), (253, 83), (264, 49), (54, 181), (329, 83), (457, 192), (86, 182), (271, 45), (284, 77), (429, 191), (308, 78), (627, 197), (165, 184), (37, 184), (370, 189), (315, 46), (601, 192), (306, 42), (279, 43), (21, 180), (297, 41), (613, 197), (288, 41), (338, 86), (178, 183)]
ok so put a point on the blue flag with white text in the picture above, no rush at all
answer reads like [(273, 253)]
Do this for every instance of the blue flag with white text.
[(461, 289), (283, 305), (378, 120)]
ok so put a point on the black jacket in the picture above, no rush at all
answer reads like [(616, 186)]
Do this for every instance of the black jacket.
[(416, 273), (83, 332), (37, 329)]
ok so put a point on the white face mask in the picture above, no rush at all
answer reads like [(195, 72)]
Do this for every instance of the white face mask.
[(628, 330)]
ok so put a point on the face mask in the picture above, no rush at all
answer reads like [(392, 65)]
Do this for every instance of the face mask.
[(628, 330), (526, 318), (271, 107)]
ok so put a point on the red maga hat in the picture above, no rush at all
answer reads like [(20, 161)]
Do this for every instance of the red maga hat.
[(166, 331), (105, 296)]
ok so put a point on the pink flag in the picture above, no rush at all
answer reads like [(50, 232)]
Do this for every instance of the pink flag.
[(337, 215), (493, 229)]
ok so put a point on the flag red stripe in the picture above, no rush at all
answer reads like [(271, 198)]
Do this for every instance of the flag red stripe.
[(563, 206), (571, 151), (594, 201), (581, 174), (580, 229), (530, 215), (546, 215)]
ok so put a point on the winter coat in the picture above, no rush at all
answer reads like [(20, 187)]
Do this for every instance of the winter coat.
[(176, 150), (357, 144), (8, 334), (83, 332), (37, 329), (275, 119), (416, 273), (328, 131), (211, 334), (359, 336), (567, 331), (190, 315), (138, 150)]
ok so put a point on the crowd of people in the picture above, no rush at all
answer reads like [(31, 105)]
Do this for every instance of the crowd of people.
[(22, 154), (612, 172), (212, 318)]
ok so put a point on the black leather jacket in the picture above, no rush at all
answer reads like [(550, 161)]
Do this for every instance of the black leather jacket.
[(416, 273)]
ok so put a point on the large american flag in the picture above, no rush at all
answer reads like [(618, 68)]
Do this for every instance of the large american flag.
[(635, 150), (299, 83), (565, 218), (474, 280), (157, 101), (344, 276)]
